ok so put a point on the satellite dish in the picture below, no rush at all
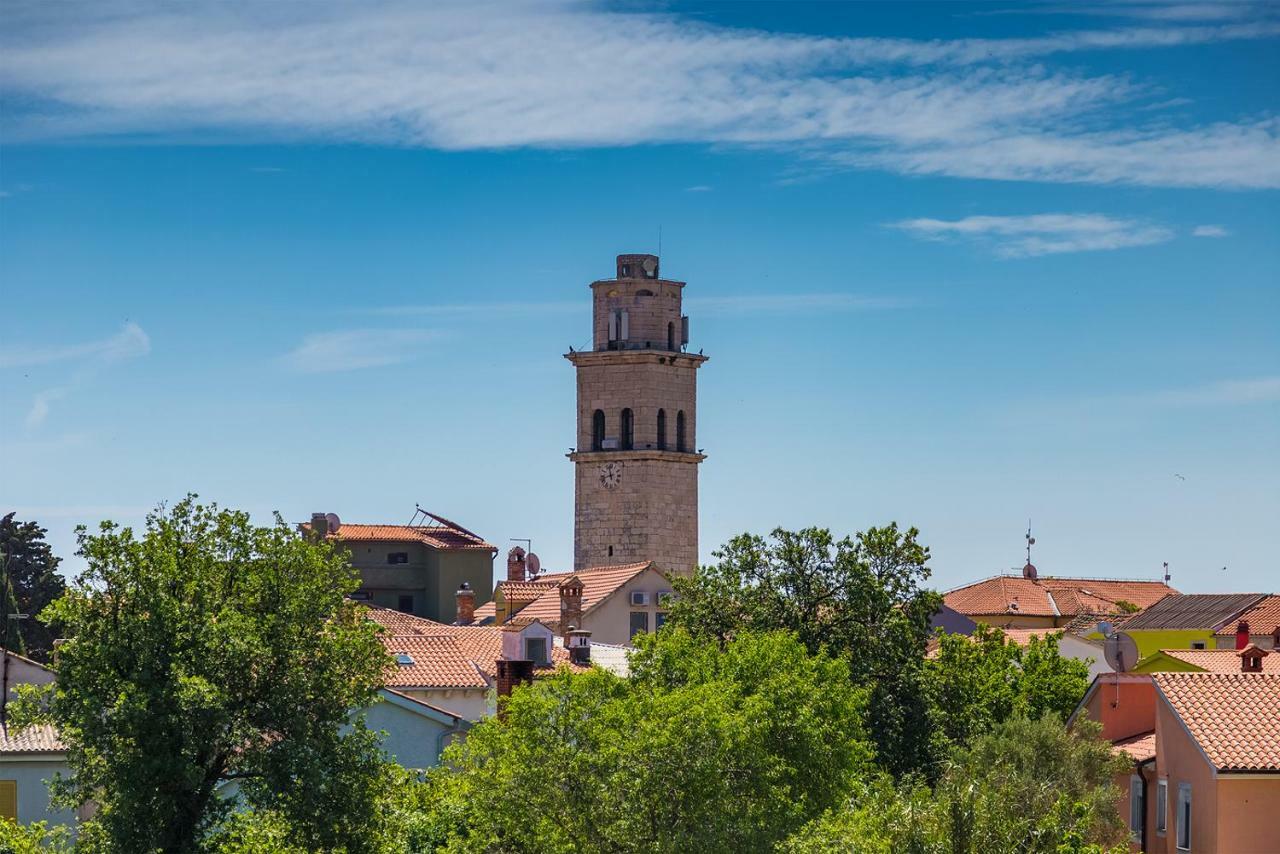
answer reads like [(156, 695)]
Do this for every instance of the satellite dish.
[(1121, 652), (533, 564), (1104, 629), (334, 522), (650, 265)]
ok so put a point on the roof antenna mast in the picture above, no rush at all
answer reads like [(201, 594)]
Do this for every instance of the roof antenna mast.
[(1029, 571)]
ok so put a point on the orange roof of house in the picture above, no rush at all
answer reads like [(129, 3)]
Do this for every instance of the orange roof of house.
[(598, 584), (1234, 717), (1220, 660), (526, 591), (487, 611), (443, 537), (431, 661), (1263, 618), (481, 645), (1139, 747), (1049, 596), (37, 738)]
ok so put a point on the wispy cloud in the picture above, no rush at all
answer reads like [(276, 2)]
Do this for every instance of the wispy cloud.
[(698, 188), (457, 76), (1210, 231), (40, 406), (1220, 393), (128, 343), (353, 349), (1040, 234)]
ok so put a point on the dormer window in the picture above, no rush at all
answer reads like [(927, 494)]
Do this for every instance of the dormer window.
[(535, 649)]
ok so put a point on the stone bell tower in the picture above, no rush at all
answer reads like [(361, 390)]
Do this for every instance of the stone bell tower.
[(637, 455)]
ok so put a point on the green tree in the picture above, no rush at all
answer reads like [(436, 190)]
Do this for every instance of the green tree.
[(1028, 786), (31, 582), (700, 749), (980, 681), (858, 597), (211, 652)]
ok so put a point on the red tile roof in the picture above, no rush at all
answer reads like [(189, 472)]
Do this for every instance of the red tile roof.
[(1263, 618), (1234, 717), (481, 645), (443, 537), (1050, 596), (431, 661), (526, 591), (487, 611), (1220, 660), (1140, 748), (598, 584), (38, 738)]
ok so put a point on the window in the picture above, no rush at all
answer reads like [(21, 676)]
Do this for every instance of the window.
[(1162, 806), (680, 445), (405, 604), (626, 271), (639, 622), (610, 551), (597, 430), (1184, 816), (397, 557), (1137, 808), (628, 430), (535, 649), (662, 429), (9, 799), (1197, 644), (660, 619), (671, 336)]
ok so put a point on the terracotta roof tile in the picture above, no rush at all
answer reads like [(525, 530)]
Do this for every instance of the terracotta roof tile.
[(1050, 596), (1220, 660), (1232, 716), (526, 591), (481, 645), (39, 738), (1138, 747), (431, 661), (598, 584), (440, 537), (1263, 618), (487, 611)]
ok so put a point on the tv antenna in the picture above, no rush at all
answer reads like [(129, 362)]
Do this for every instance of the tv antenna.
[(1031, 541)]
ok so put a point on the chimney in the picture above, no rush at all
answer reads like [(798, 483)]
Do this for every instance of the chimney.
[(1251, 658), (570, 606), (319, 525), (1242, 634), (579, 643), (511, 673), (466, 605), (515, 564)]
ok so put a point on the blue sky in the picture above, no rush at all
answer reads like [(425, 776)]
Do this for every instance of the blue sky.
[(956, 265)]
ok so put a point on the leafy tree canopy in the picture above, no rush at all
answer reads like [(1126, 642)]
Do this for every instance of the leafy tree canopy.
[(31, 582), (859, 597), (209, 653), (700, 749)]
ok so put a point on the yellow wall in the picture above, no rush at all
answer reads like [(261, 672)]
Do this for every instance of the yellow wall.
[(1161, 663), (1152, 641)]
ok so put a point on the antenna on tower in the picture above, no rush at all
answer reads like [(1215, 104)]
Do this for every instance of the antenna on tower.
[(1167, 576), (1031, 541), (659, 240)]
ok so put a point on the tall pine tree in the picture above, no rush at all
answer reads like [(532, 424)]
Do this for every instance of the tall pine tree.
[(31, 582)]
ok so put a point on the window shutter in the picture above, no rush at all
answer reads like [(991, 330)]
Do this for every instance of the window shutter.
[(626, 326), (613, 326), (9, 799)]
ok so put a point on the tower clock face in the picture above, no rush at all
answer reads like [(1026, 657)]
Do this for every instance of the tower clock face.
[(611, 475)]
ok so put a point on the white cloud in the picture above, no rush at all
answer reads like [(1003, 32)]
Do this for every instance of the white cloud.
[(128, 343), (1040, 234), (40, 406), (698, 188), (353, 349), (563, 75), (1210, 231)]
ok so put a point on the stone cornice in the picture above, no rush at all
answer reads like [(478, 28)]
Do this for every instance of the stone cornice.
[(582, 358), (636, 454)]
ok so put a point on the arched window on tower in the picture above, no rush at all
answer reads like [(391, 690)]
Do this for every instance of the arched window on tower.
[(671, 336), (680, 438), (662, 429), (597, 430), (628, 430)]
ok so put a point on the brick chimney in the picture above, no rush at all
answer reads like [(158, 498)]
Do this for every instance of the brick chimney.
[(511, 673), (579, 644), (1242, 634), (515, 564), (466, 605), (1251, 658), (570, 606), (319, 525)]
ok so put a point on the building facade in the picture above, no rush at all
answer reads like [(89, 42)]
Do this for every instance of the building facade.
[(637, 456)]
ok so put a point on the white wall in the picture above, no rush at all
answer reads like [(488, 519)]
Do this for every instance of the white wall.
[(412, 740), (470, 704), (33, 775)]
